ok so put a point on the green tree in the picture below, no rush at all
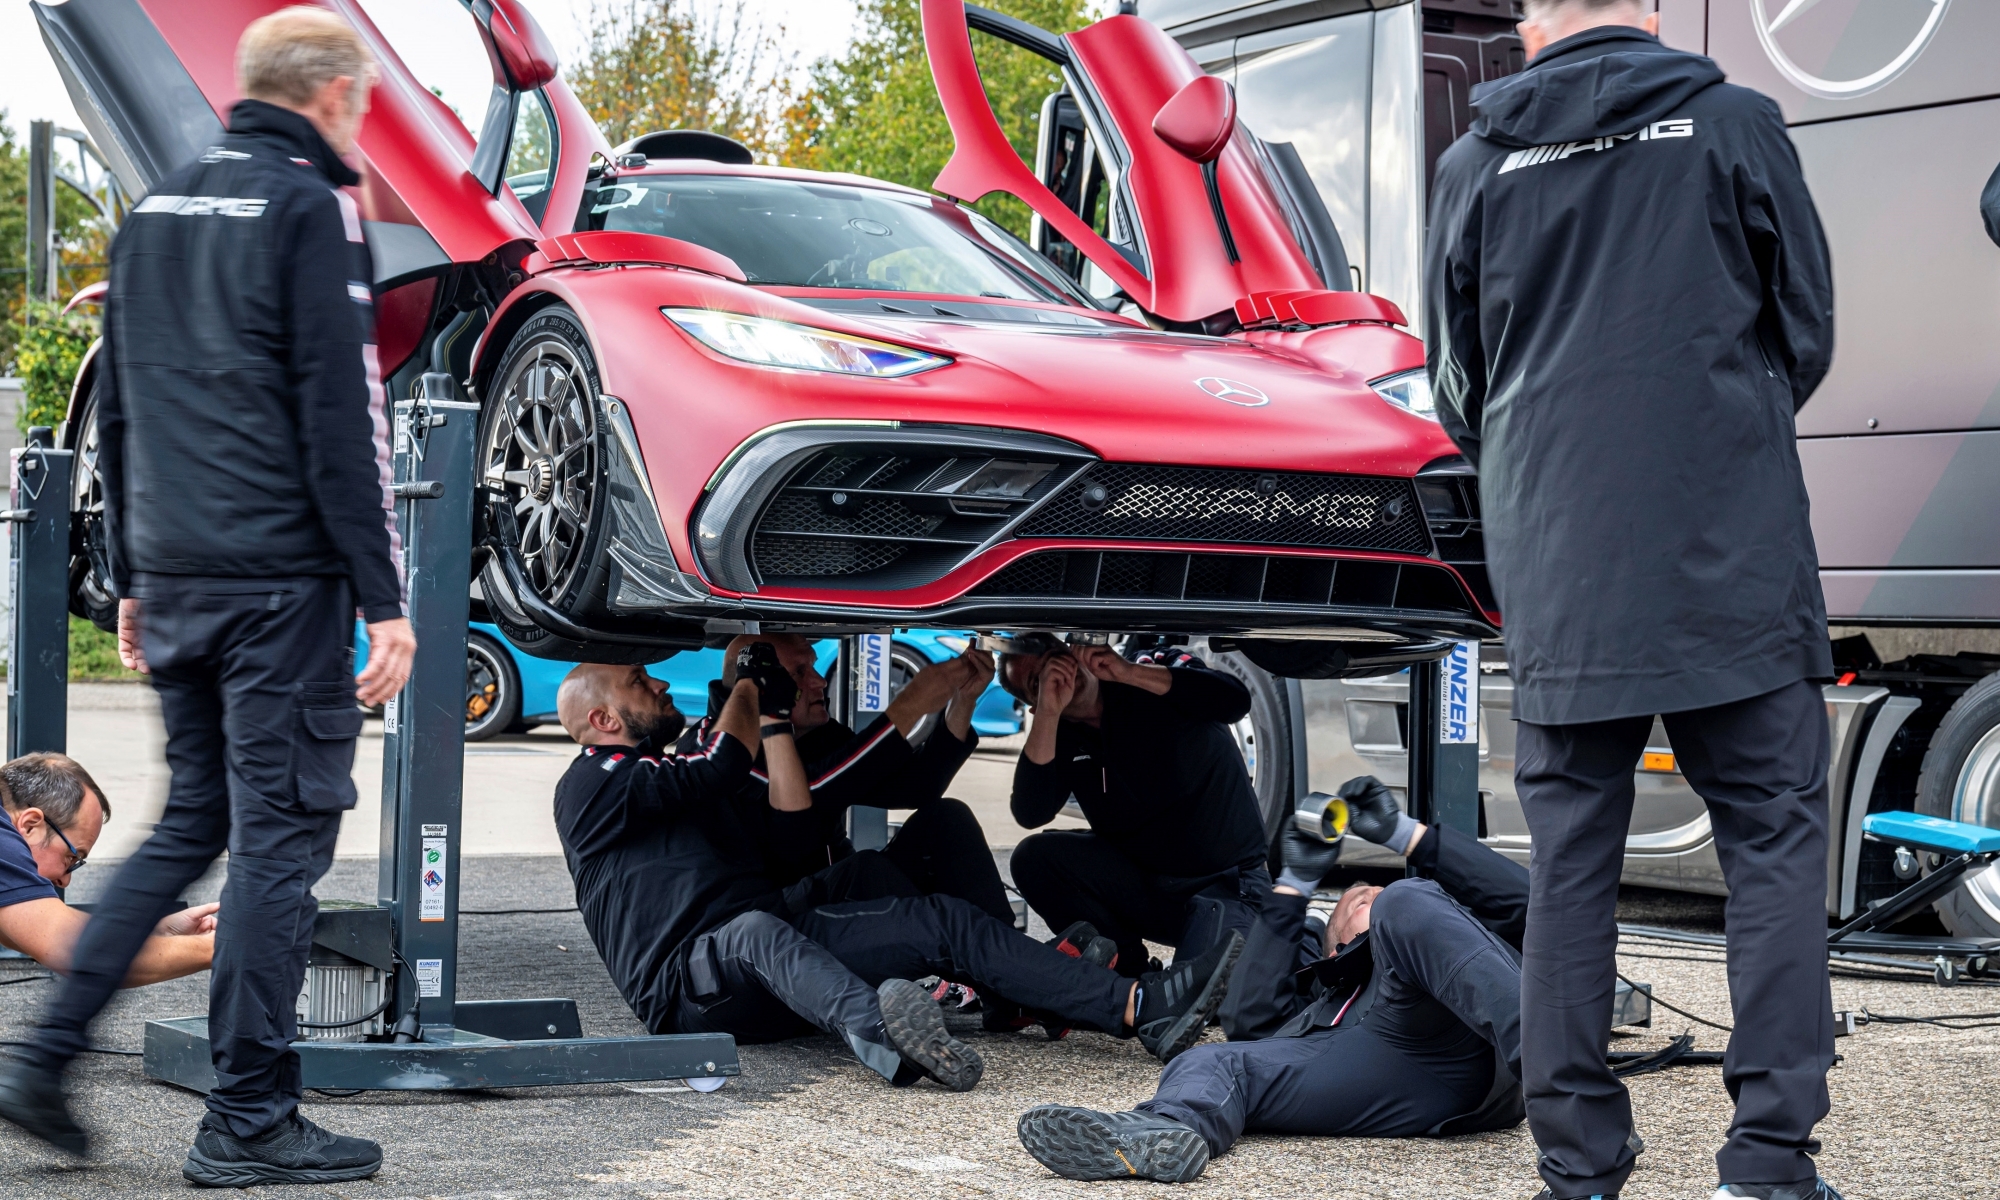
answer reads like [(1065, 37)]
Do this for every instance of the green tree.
[(873, 110), (671, 64), (82, 239), (49, 349)]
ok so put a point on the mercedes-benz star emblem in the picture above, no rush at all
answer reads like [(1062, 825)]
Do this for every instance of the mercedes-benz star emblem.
[(1232, 391), (1846, 49)]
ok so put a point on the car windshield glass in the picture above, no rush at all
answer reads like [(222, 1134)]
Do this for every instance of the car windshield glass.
[(796, 234)]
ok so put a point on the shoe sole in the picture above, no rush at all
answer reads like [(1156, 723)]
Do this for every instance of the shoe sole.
[(209, 1173), (1187, 1030), (1077, 1143), (916, 1028)]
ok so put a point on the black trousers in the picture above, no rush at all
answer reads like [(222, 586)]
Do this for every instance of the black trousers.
[(767, 976), (1760, 764), (942, 850), (1418, 1057), (256, 686), (1074, 875)]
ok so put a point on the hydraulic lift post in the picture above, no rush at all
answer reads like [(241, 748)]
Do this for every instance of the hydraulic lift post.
[(37, 514), (1444, 740), (414, 930)]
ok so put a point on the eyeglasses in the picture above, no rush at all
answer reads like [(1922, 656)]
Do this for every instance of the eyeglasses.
[(77, 858)]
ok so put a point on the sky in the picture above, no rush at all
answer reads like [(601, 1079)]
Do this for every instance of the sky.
[(435, 37)]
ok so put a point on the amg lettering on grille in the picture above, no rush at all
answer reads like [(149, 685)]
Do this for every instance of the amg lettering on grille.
[(1159, 503)]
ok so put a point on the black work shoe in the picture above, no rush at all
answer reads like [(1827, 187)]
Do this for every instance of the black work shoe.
[(1175, 1004), (1546, 1194), (1078, 1143), (916, 1028), (1812, 1189), (33, 1099), (1071, 941), (293, 1151)]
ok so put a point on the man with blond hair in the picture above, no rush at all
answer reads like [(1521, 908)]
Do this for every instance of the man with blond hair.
[(245, 458)]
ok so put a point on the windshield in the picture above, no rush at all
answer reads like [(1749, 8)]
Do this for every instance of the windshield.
[(829, 235)]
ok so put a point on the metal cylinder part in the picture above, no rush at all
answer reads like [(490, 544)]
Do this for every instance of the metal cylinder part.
[(1322, 815)]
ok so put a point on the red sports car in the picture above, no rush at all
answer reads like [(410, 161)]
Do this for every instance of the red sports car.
[(717, 393)]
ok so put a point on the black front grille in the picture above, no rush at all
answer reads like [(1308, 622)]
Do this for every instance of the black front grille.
[(863, 518), (1208, 504), (1230, 579)]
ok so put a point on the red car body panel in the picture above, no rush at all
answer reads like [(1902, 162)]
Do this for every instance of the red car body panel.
[(1133, 69)]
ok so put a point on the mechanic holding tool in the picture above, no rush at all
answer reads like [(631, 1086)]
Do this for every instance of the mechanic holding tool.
[(54, 814), (1398, 1018), (1629, 298), (668, 856), (245, 458), (1176, 851), (941, 847)]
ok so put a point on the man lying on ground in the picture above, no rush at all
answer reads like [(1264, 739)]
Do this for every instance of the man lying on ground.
[(1400, 1018), (55, 812), (940, 848), (672, 881)]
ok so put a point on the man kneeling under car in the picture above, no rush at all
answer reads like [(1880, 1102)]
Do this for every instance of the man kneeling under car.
[(1400, 1018), (672, 880), (940, 848)]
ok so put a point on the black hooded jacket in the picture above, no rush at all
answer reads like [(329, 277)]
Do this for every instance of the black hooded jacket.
[(1628, 300), (241, 418)]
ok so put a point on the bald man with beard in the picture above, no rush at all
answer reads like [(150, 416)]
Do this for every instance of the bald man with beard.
[(669, 862)]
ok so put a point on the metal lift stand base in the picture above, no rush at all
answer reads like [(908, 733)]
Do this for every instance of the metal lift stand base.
[(464, 1044)]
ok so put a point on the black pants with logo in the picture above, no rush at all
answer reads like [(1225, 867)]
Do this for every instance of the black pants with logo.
[(256, 686), (1760, 764), (1073, 875)]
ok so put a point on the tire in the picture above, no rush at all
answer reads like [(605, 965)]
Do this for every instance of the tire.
[(542, 464), (1961, 782), (1265, 737), (90, 595), (492, 689)]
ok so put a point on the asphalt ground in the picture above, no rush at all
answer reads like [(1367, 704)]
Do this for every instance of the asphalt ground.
[(1913, 1105)]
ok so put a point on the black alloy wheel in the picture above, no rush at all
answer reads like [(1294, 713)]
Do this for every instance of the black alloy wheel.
[(492, 689), (90, 595), (541, 461), (1264, 735)]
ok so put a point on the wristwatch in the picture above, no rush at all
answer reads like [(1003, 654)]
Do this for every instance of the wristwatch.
[(773, 728)]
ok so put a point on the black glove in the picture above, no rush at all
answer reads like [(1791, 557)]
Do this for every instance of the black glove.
[(1372, 813), (1307, 859), (758, 663)]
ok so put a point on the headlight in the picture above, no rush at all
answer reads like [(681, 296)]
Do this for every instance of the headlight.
[(1411, 390), (771, 343)]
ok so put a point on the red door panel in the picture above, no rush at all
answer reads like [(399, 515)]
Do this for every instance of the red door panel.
[(1127, 69), (414, 150)]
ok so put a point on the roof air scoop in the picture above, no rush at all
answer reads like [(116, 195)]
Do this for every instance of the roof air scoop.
[(687, 143)]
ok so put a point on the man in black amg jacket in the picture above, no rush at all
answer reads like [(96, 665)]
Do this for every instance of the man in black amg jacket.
[(1175, 850), (245, 465)]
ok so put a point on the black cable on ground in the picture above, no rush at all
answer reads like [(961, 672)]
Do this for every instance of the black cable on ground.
[(1941, 1020), (512, 912), (1670, 1008), (24, 979), (86, 1049), (1678, 1053), (362, 1019)]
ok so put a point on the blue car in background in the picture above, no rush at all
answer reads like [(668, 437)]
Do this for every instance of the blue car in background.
[(507, 691)]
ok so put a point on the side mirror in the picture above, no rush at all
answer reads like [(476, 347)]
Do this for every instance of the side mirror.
[(1199, 120), (518, 42)]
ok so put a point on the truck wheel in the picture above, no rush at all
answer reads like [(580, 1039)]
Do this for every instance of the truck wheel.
[(492, 689), (1265, 737), (1961, 781)]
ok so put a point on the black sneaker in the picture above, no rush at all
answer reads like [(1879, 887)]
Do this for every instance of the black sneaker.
[(32, 1098), (916, 1028), (1814, 1189), (1077, 1143), (293, 1151), (1175, 1004), (1546, 1194)]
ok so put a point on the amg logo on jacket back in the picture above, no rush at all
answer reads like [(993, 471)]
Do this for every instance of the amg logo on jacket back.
[(1535, 156), (202, 206)]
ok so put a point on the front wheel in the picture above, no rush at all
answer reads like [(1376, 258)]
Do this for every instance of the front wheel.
[(492, 689), (1961, 782), (1264, 736), (90, 595), (542, 469)]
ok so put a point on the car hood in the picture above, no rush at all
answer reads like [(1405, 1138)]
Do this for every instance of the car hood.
[(1150, 396)]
